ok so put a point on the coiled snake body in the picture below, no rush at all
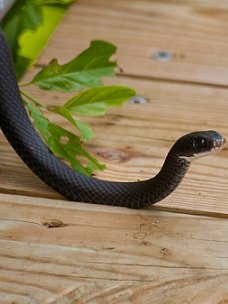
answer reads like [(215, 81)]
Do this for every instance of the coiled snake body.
[(19, 131)]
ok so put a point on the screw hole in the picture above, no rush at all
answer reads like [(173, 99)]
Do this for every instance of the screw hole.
[(138, 100), (162, 56)]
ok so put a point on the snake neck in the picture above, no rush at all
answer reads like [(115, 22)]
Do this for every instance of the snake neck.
[(169, 177)]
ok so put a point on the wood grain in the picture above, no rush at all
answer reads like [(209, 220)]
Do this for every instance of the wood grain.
[(136, 256)]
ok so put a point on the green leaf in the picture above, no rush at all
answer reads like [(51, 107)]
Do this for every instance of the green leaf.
[(83, 71), (85, 130), (63, 143), (25, 15), (28, 26), (39, 120), (97, 100)]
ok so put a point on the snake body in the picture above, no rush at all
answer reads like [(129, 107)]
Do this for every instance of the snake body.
[(18, 129)]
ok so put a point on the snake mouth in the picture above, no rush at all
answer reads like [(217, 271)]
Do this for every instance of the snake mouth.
[(220, 143)]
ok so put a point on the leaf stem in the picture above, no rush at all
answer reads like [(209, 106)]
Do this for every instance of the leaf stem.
[(31, 98), (25, 84)]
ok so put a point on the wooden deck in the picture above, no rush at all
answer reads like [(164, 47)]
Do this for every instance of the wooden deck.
[(57, 251)]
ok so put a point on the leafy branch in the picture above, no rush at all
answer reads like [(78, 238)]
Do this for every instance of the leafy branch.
[(82, 74)]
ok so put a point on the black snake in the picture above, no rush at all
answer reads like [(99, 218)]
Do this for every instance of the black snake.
[(18, 129)]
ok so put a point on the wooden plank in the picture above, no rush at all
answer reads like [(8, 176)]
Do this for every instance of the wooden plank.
[(135, 255), (193, 32), (137, 139), (109, 255)]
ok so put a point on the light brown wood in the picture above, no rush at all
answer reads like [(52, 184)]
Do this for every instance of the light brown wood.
[(57, 251), (103, 255)]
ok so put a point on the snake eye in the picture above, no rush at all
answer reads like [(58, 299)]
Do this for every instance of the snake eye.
[(201, 142)]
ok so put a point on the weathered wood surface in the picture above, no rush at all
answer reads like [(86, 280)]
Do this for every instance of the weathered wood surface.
[(111, 255)]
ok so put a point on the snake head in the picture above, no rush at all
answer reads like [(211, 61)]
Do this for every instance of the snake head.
[(198, 144)]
